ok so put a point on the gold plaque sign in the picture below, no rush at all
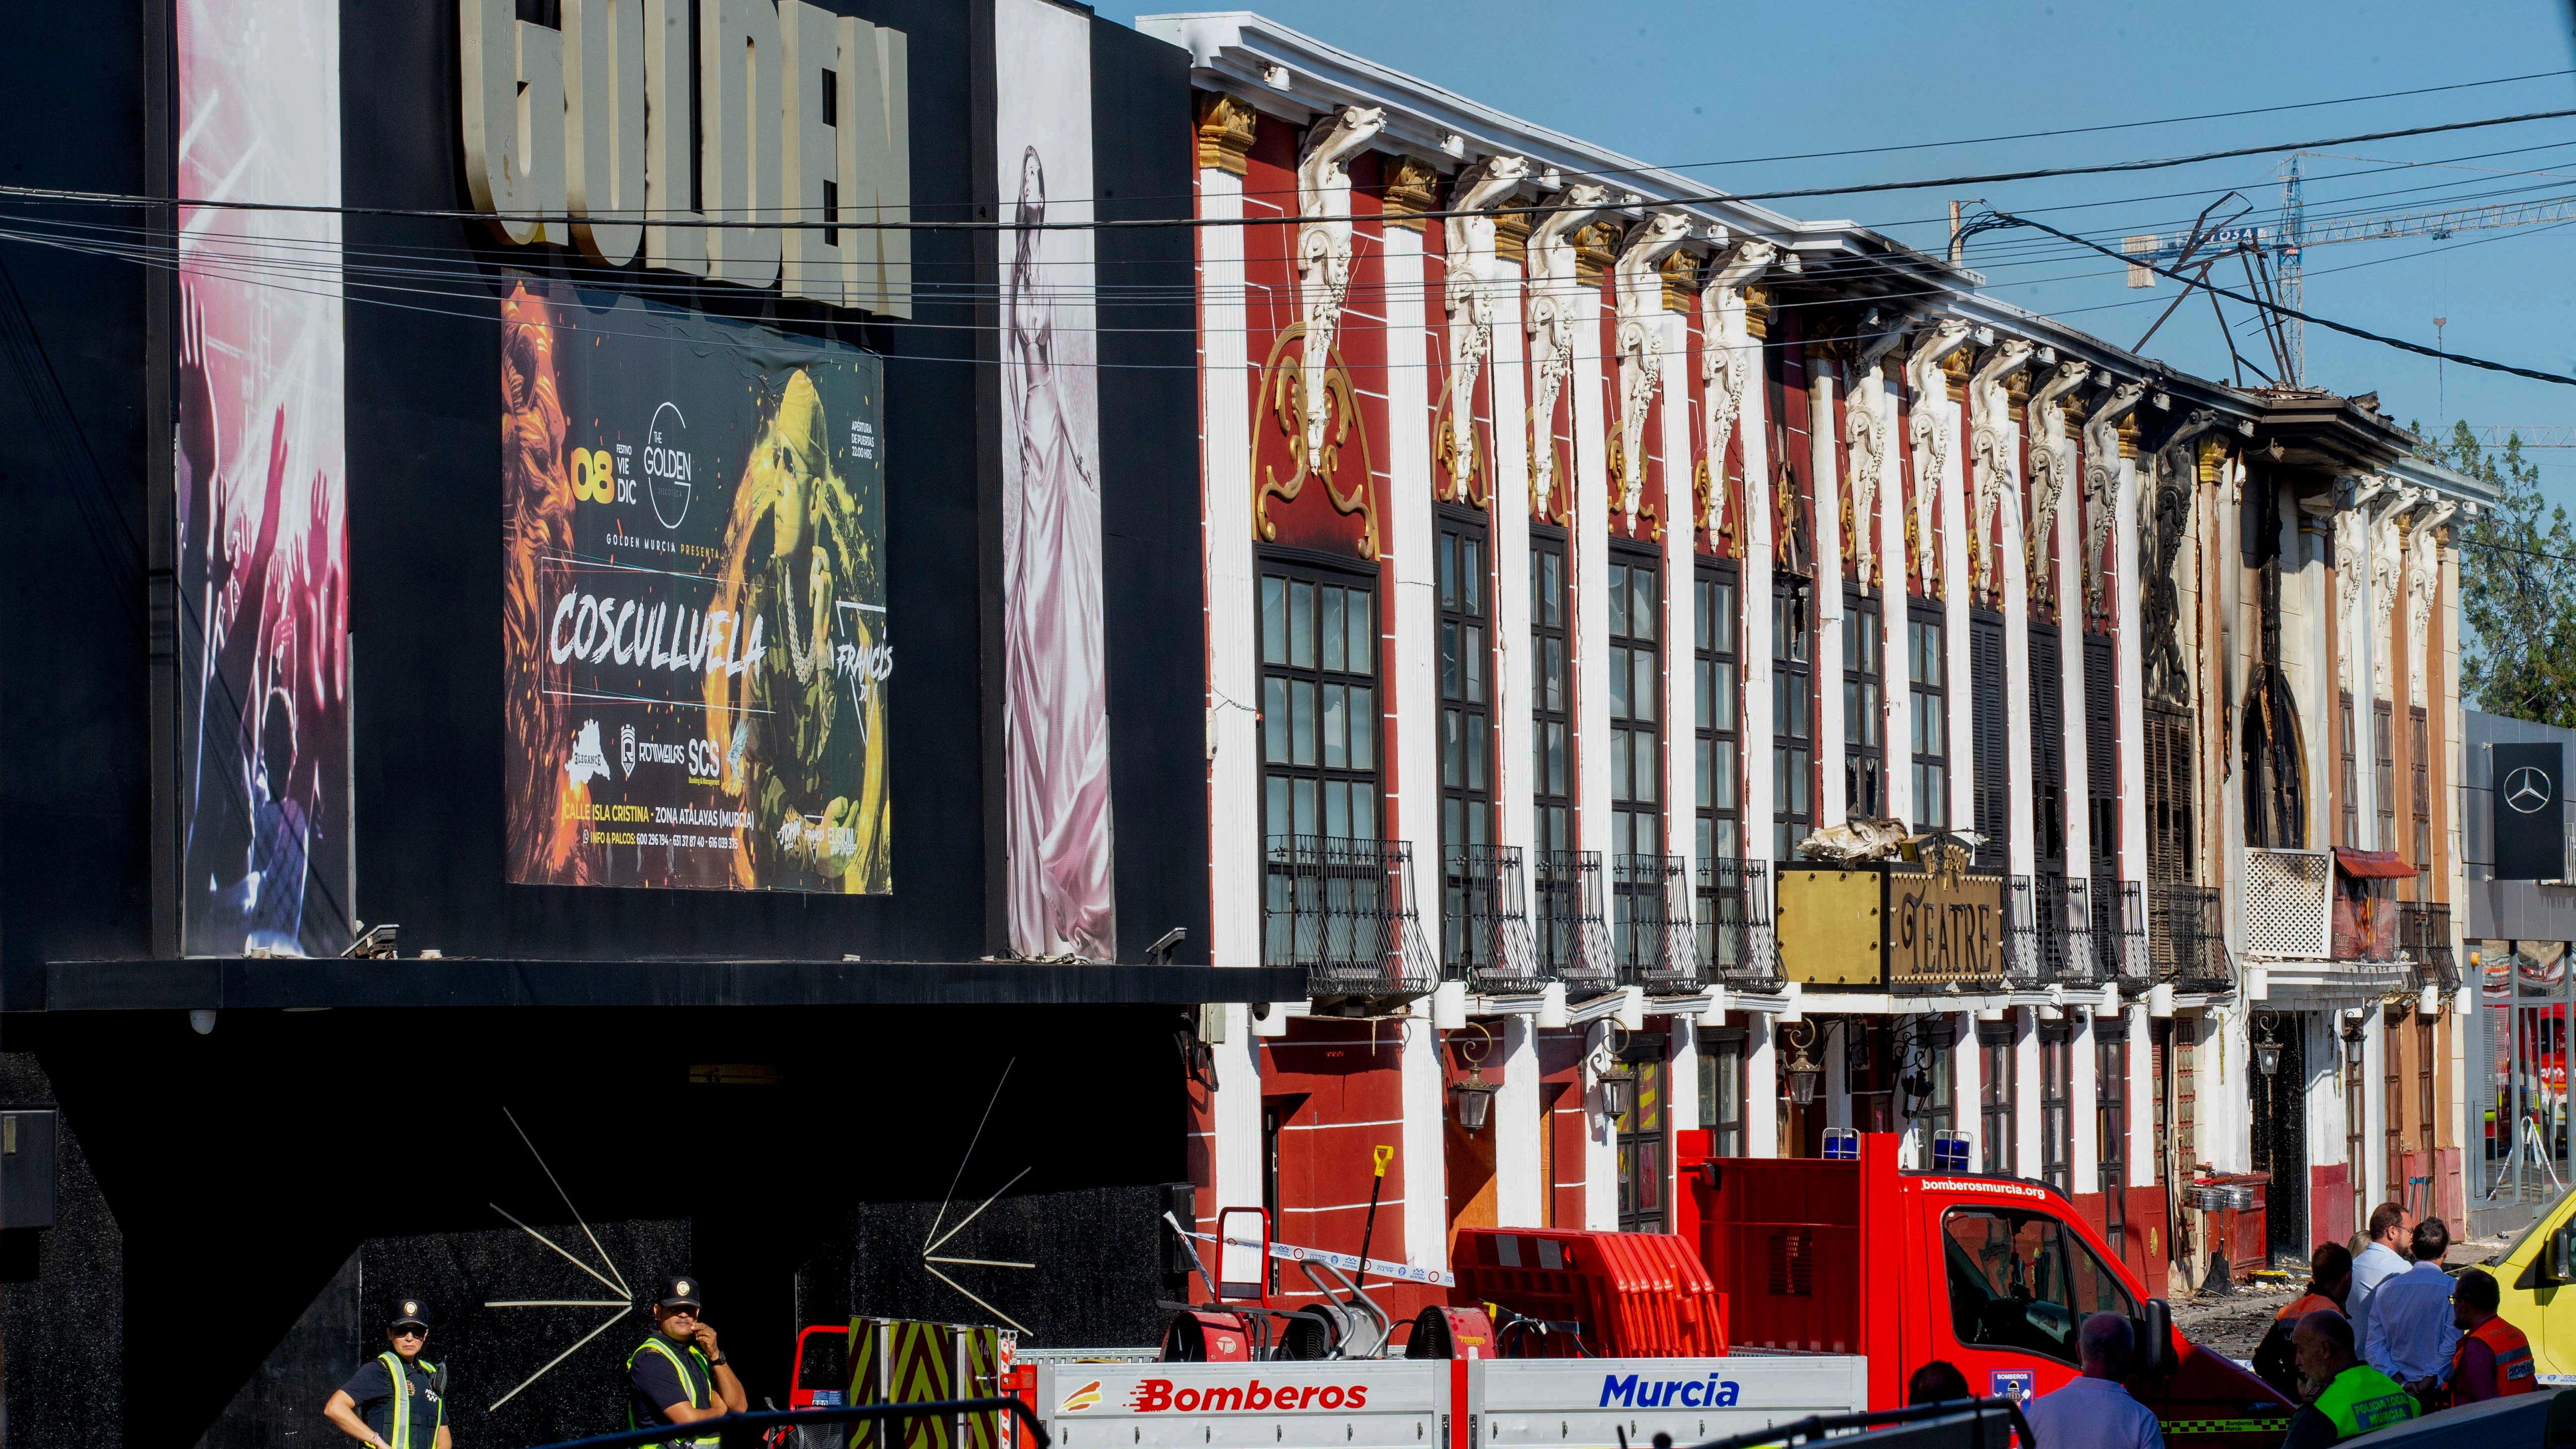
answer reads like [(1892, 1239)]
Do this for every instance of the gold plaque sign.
[(1944, 928)]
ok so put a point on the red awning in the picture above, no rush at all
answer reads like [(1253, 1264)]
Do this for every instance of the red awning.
[(2373, 864)]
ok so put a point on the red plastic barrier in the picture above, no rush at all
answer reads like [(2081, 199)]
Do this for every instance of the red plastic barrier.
[(1636, 1295)]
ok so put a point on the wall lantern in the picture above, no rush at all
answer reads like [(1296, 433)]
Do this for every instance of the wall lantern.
[(1804, 1071), (2267, 1052), (1618, 1090), (1473, 1097), (2352, 1043)]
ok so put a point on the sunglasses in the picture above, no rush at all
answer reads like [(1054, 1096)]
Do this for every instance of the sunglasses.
[(410, 1330)]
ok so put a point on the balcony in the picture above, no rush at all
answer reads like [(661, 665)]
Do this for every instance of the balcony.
[(1484, 922), (1651, 932), (2119, 930), (2424, 934), (1573, 939), (2046, 925), (1343, 910), (2365, 904), (2185, 939), (1735, 925)]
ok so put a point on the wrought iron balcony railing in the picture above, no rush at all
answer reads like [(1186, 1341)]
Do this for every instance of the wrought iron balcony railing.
[(1573, 938), (1343, 909), (2185, 937), (1650, 924), (2118, 930), (1735, 924), (2424, 931), (2047, 926), (1484, 921)]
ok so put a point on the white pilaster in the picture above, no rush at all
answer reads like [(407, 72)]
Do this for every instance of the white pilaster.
[(1680, 622), (1519, 1192), (1415, 802), (1754, 427), (1831, 806), (1589, 551), (1968, 1082), (2084, 1091), (2143, 1146), (1895, 674), (2133, 718), (1950, 503), (1234, 693), (2026, 1090), (1761, 1087)]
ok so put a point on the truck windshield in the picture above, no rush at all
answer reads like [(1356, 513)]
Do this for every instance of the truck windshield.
[(2025, 1281)]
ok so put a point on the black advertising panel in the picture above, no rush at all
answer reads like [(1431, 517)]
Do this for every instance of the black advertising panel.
[(694, 601), (2530, 829)]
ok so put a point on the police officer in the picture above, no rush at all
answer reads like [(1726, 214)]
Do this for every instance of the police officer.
[(2348, 1398), (398, 1399), (678, 1374)]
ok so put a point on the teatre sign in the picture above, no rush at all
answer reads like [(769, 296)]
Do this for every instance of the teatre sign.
[(802, 116)]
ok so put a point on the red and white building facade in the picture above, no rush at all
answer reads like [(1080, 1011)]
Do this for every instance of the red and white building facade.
[(1566, 567)]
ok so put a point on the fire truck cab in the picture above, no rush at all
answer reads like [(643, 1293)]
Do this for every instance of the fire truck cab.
[(1995, 1275)]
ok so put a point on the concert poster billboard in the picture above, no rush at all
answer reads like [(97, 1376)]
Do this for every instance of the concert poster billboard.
[(261, 475), (694, 604)]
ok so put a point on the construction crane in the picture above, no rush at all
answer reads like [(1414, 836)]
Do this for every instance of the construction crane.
[(2282, 245)]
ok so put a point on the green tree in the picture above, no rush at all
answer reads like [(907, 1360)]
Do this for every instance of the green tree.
[(2517, 589)]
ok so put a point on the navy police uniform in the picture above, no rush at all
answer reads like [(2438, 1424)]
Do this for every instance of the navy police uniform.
[(405, 1403), (663, 1371)]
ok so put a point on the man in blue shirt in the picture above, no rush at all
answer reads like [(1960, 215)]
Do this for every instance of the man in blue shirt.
[(2409, 1335), (2095, 1412)]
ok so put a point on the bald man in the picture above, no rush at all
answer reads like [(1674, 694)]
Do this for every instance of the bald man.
[(2094, 1411)]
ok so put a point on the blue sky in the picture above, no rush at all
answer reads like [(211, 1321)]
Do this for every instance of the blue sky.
[(1675, 83)]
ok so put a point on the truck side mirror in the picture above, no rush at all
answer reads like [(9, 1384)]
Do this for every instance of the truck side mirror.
[(2156, 1351), (2560, 1264)]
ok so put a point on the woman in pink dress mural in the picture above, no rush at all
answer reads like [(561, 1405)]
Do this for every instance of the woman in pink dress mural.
[(1062, 901)]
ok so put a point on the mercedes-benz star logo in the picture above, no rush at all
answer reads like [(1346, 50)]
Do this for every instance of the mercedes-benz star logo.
[(2527, 790)]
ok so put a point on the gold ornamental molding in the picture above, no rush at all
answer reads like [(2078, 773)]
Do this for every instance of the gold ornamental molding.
[(1283, 388), (1226, 128), (1407, 191)]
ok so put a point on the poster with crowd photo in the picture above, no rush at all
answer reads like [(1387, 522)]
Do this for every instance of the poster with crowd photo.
[(262, 485), (1055, 681), (695, 605)]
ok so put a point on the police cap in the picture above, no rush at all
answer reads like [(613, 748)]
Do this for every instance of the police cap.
[(678, 1292), (407, 1312)]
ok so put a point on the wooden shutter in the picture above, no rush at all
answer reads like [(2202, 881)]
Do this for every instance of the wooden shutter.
[(2047, 749), (2101, 755), (1986, 703)]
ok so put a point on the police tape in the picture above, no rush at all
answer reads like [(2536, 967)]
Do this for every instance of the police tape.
[(2172, 1427), (1347, 1262)]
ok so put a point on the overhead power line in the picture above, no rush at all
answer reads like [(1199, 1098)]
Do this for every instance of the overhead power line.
[(1283, 218), (2003, 218)]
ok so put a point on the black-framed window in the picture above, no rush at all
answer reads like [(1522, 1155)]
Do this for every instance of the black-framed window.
[(1992, 812), (2111, 1123), (2057, 1104), (1318, 704), (1864, 718), (1927, 672), (2101, 757), (2047, 749), (2383, 746), (1721, 1090), (1793, 714), (2351, 772), (1644, 1176), (1995, 1094), (1720, 718), (2172, 849), (1551, 692), (1466, 719), (2420, 761), (1635, 600)]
